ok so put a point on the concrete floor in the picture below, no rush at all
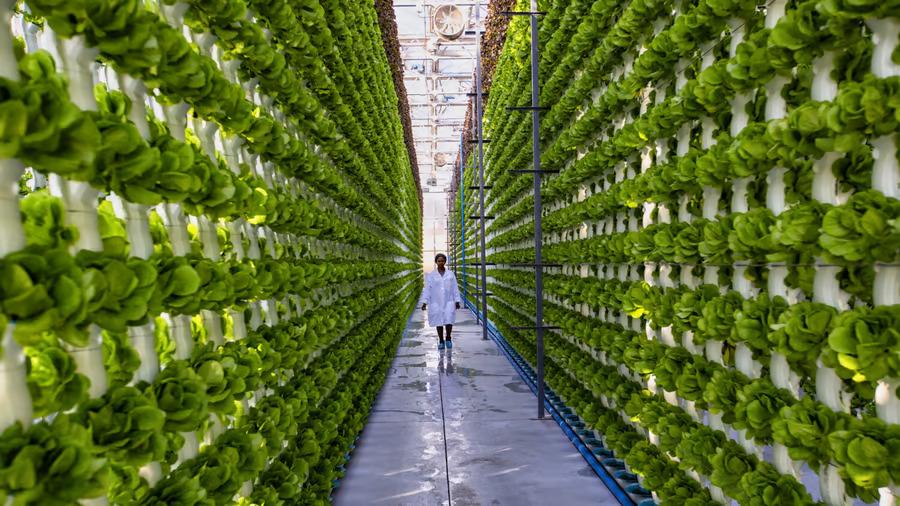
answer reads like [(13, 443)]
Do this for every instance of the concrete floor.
[(460, 428)]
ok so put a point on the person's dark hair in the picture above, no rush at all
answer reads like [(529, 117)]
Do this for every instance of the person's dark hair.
[(440, 255)]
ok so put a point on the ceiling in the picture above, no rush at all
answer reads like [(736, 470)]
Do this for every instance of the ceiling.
[(437, 75)]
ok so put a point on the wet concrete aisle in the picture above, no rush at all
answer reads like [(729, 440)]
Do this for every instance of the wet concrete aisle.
[(460, 428)]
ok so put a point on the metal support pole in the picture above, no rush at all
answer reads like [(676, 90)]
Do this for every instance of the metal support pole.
[(476, 260), (451, 233), (538, 236), (455, 227), (462, 214), (480, 130)]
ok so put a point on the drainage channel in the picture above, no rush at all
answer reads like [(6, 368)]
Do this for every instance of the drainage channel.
[(444, 435)]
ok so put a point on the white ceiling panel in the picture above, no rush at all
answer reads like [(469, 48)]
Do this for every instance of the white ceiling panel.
[(419, 112), (410, 20), (447, 131)]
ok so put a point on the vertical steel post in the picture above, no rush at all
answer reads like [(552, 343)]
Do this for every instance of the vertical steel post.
[(451, 233), (538, 236), (478, 120), (476, 252), (476, 274), (462, 213)]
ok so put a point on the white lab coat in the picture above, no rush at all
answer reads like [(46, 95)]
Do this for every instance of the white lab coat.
[(441, 295)]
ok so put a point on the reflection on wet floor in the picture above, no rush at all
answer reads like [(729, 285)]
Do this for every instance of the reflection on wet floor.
[(458, 427)]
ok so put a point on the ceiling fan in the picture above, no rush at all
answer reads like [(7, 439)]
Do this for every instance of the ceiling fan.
[(448, 21)]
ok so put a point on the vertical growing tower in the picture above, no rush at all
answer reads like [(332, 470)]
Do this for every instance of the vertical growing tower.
[(725, 218), (200, 285)]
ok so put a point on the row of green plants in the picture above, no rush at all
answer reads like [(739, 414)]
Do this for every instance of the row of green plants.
[(693, 225), (98, 448), (293, 284), (48, 289), (811, 431), (105, 149), (181, 73), (861, 109), (601, 394), (855, 236)]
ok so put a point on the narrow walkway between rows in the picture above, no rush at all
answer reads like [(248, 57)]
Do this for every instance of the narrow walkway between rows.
[(460, 427)]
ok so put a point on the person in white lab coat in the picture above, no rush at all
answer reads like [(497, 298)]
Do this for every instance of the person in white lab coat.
[(442, 294)]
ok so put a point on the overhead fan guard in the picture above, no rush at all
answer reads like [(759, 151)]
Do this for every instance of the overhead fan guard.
[(448, 21)]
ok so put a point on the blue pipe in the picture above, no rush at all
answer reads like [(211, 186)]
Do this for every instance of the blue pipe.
[(611, 484)]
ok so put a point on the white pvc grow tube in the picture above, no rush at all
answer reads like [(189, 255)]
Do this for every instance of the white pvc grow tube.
[(886, 171), (208, 231), (745, 363), (138, 228), (885, 33), (886, 289), (253, 252), (80, 201), (30, 34), (887, 293), (14, 394), (782, 375), (176, 227), (776, 108), (232, 150), (271, 308), (235, 232), (10, 170), (826, 289)]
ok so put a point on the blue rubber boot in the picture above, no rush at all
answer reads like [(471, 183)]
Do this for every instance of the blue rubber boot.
[(441, 345), (449, 344)]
